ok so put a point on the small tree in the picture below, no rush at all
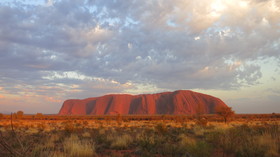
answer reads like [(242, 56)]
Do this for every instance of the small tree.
[(39, 116), (225, 112), (19, 114)]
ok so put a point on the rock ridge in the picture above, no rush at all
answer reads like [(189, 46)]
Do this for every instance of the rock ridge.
[(177, 102)]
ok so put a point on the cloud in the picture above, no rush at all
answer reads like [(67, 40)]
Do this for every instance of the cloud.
[(265, 104), (160, 45)]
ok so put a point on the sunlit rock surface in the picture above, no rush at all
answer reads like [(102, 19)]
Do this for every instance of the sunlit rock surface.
[(177, 102)]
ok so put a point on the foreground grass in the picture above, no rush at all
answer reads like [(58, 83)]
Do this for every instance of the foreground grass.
[(155, 138)]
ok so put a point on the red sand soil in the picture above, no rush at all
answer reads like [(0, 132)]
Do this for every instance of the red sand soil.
[(178, 102)]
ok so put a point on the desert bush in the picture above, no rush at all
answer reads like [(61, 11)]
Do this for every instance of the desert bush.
[(246, 141), (74, 147), (86, 135), (19, 114), (54, 137), (68, 127), (271, 143), (121, 142), (199, 130), (201, 121), (59, 154), (39, 116), (231, 140), (200, 149), (146, 142), (41, 151), (56, 145), (41, 126), (101, 131), (85, 123), (45, 147), (250, 148), (161, 128), (186, 140), (101, 138), (71, 127), (145, 139), (193, 147), (15, 142), (169, 149), (153, 141)]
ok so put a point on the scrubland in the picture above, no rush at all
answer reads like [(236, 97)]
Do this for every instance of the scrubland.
[(198, 136)]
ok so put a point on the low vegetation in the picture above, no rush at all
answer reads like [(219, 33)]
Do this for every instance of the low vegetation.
[(121, 137)]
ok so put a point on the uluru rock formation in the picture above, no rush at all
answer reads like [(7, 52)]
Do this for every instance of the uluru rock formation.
[(178, 102)]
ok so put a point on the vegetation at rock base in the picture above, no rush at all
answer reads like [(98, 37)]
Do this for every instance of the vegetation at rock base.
[(176, 136)]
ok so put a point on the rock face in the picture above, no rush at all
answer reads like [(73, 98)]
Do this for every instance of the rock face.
[(178, 102)]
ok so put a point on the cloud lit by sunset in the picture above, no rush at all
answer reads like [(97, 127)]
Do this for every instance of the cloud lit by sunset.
[(53, 50)]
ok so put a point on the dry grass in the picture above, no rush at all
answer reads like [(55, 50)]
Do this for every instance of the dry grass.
[(86, 135), (74, 147), (61, 138), (121, 142), (272, 144)]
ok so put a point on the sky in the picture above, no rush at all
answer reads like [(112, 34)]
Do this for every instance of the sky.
[(53, 50)]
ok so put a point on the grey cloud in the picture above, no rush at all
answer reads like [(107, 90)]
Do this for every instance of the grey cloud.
[(267, 104), (170, 44)]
